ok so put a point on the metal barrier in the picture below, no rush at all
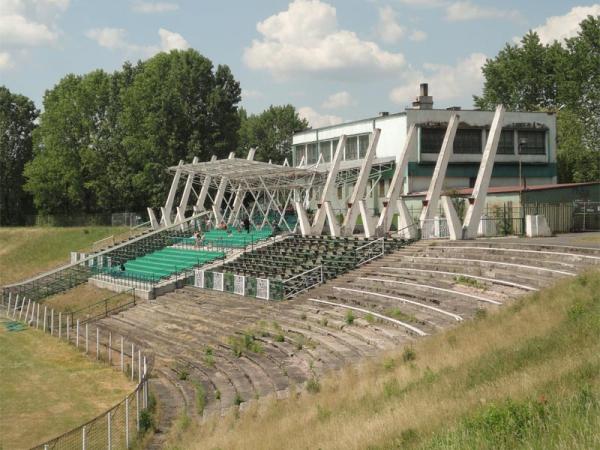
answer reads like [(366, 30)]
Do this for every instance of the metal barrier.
[(302, 282), (435, 228), (370, 251)]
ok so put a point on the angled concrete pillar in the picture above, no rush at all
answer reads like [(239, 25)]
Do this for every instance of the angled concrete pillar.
[(204, 191), (168, 208), (165, 217), (454, 225), (406, 224), (358, 193), (367, 220), (216, 206), (393, 193), (431, 201), (305, 227), (334, 228), (321, 214), (240, 194), (482, 183), (153, 221), (186, 194)]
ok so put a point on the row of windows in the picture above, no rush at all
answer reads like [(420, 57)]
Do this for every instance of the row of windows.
[(356, 148), (381, 188), (469, 141)]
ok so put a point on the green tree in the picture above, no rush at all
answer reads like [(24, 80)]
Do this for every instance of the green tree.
[(270, 132), (17, 122), (562, 78)]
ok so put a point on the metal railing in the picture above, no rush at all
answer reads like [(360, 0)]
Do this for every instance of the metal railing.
[(370, 251), (302, 282)]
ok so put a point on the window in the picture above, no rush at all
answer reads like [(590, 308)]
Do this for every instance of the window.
[(312, 153), (363, 144), (431, 139), (536, 142), (506, 146), (467, 140), (299, 154), (325, 150), (351, 148)]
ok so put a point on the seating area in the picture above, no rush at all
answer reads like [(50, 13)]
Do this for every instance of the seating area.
[(231, 238), (164, 263), (296, 254)]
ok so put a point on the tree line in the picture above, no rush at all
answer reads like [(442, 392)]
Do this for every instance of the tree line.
[(104, 140)]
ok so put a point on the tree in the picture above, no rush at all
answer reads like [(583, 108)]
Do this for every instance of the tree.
[(558, 78), (17, 122), (270, 132)]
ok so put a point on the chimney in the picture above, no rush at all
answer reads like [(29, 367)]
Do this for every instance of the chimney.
[(424, 100)]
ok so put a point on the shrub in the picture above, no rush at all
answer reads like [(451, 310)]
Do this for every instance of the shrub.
[(480, 313), (350, 318), (408, 354), (238, 400), (183, 374), (389, 363), (279, 338), (200, 397), (313, 386)]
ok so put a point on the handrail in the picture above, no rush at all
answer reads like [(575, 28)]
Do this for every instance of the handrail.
[(369, 243), (319, 267)]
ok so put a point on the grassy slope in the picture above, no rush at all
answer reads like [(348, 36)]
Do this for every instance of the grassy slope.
[(87, 296), (47, 388), (27, 251), (524, 377)]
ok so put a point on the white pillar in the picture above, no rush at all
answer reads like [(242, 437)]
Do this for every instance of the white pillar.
[(454, 225), (321, 214), (358, 193), (334, 227), (430, 203), (204, 190), (153, 220), (366, 219), (305, 228), (168, 208), (240, 194), (477, 200), (186, 194), (216, 207)]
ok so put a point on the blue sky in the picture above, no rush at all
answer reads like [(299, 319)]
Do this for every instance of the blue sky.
[(334, 60)]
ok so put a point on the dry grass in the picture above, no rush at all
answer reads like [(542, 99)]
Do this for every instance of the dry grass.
[(48, 388), (544, 346), (27, 251)]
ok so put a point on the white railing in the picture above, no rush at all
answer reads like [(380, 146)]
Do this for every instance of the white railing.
[(302, 282), (370, 251), (103, 243), (436, 228)]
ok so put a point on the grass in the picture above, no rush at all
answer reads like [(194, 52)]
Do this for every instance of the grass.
[(48, 388), (27, 251), (526, 376), (471, 282)]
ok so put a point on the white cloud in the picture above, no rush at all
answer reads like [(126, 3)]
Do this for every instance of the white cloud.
[(154, 7), (28, 23), (427, 3), (116, 39), (169, 40), (317, 120), (417, 36), (5, 61), (446, 82), (388, 28), (465, 10), (566, 26), (338, 100), (306, 39)]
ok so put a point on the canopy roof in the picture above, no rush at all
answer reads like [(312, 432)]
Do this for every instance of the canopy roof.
[(254, 175)]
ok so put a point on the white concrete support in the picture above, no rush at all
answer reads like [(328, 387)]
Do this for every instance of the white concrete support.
[(321, 214), (393, 194), (358, 193), (368, 227), (303, 221), (239, 194), (454, 225), (168, 208), (334, 228), (153, 220), (186, 195), (216, 207), (430, 203), (204, 191), (477, 200)]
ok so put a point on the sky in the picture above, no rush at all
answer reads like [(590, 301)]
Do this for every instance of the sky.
[(334, 60)]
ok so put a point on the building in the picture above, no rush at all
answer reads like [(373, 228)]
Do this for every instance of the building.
[(526, 152)]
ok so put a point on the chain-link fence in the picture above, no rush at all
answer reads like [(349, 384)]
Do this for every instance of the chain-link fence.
[(121, 425)]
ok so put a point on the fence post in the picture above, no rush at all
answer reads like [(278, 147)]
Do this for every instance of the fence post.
[(8, 310), (108, 415), (31, 320), (137, 409), (97, 343), (145, 386), (45, 313), (21, 309), (139, 366), (132, 359), (126, 422), (59, 325), (87, 342), (83, 439), (37, 316), (68, 328), (77, 335), (122, 362), (27, 311), (110, 348)]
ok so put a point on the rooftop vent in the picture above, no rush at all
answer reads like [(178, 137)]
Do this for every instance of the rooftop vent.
[(424, 100), (384, 114)]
